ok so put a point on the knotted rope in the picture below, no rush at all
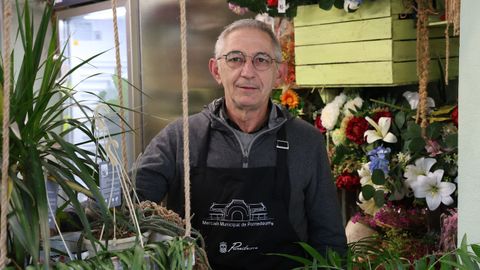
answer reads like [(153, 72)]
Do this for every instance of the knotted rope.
[(186, 142), (452, 16), (119, 81), (7, 14), (423, 60)]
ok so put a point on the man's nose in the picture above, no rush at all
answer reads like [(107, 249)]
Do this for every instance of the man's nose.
[(248, 69)]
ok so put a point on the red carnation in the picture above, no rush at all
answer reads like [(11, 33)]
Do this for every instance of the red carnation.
[(384, 113), (272, 3), (348, 181), (318, 124), (455, 116), (356, 127)]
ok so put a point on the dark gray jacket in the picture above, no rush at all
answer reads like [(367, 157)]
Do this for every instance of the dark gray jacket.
[(314, 209)]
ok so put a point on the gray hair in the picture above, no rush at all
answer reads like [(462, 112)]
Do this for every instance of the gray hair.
[(249, 23)]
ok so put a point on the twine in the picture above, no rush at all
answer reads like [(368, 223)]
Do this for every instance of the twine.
[(447, 38), (452, 16), (186, 142), (119, 80), (7, 14), (423, 60)]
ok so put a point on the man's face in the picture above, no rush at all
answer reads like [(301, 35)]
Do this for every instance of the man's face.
[(246, 87)]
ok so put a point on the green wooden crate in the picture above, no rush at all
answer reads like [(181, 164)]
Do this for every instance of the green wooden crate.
[(370, 47)]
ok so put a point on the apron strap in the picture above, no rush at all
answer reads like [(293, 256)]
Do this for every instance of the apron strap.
[(282, 182)]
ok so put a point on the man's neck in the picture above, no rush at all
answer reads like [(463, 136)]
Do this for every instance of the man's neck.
[(247, 120)]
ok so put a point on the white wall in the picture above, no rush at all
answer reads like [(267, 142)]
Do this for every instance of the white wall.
[(469, 123)]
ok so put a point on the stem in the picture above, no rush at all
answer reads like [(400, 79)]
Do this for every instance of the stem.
[(389, 105)]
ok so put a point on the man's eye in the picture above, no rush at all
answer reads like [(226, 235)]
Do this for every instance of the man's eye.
[(235, 59), (262, 60)]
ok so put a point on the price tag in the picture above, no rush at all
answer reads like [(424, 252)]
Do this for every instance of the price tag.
[(110, 184), (281, 6)]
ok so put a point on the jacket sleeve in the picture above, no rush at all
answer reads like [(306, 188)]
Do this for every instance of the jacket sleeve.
[(157, 167), (325, 226)]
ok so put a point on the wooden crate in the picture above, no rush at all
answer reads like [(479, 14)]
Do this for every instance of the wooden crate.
[(370, 47)]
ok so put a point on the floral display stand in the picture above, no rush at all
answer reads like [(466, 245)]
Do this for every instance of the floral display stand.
[(374, 46)]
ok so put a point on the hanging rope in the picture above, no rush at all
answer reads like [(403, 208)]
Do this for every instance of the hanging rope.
[(423, 60), (447, 39), (452, 16), (119, 81), (186, 142), (7, 14)]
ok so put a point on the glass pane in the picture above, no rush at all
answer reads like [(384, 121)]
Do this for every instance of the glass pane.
[(85, 36)]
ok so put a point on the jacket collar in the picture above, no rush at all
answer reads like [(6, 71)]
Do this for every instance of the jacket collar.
[(215, 110)]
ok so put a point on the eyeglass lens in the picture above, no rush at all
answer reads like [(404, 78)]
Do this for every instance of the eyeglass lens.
[(261, 61)]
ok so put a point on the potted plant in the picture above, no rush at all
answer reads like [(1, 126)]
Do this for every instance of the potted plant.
[(40, 154)]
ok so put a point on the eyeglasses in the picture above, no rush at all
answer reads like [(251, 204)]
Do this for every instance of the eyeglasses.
[(236, 59)]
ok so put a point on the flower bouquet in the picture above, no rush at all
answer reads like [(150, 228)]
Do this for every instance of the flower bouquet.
[(403, 177)]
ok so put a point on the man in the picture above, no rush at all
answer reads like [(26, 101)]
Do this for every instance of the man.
[(260, 178)]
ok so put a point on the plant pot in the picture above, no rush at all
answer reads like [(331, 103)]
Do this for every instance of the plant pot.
[(114, 245), (357, 231)]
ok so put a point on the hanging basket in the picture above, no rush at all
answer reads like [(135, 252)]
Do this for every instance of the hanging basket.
[(375, 46)]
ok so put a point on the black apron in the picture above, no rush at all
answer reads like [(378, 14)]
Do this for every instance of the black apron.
[(242, 213)]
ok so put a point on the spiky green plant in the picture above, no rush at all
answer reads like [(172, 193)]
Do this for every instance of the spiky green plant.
[(39, 151), (369, 254)]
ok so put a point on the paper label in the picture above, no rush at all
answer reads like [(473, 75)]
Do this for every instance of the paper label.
[(281, 6), (110, 184)]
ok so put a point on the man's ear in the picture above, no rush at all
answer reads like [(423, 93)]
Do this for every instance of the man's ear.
[(213, 67), (282, 69)]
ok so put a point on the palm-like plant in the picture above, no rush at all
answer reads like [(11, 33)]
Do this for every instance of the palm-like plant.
[(39, 151)]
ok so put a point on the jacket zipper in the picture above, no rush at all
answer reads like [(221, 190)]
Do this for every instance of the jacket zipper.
[(246, 152)]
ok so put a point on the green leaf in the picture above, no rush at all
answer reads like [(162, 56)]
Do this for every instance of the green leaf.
[(416, 144), (339, 4), (378, 177), (379, 198), (476, 249), (452, 141), (400, 119), (340, 152), (368, 192), (433, 131), (326, 4), (413, 131)]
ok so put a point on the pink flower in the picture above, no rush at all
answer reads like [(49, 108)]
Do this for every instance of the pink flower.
[(237, 9), (433, 148)]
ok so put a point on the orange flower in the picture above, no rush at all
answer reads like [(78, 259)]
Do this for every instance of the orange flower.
[(290, 99)]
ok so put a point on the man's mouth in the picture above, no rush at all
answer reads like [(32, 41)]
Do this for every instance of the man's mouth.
[(247, 87)]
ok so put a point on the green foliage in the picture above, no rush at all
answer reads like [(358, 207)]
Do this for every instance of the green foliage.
[(39, 151), (163, 255), (369, 253), (368, 191), (378, 177)]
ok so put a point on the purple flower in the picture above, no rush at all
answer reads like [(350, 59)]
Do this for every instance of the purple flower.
[(379, 159)]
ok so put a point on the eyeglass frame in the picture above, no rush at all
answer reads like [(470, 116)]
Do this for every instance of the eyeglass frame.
[(273, 60)]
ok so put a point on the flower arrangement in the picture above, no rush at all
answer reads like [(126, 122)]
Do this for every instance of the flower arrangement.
[(404, 177), (280, 8)]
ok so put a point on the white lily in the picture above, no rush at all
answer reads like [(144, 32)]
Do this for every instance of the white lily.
[(414, 97), (381, 130), (434, 190), (421, 168)]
